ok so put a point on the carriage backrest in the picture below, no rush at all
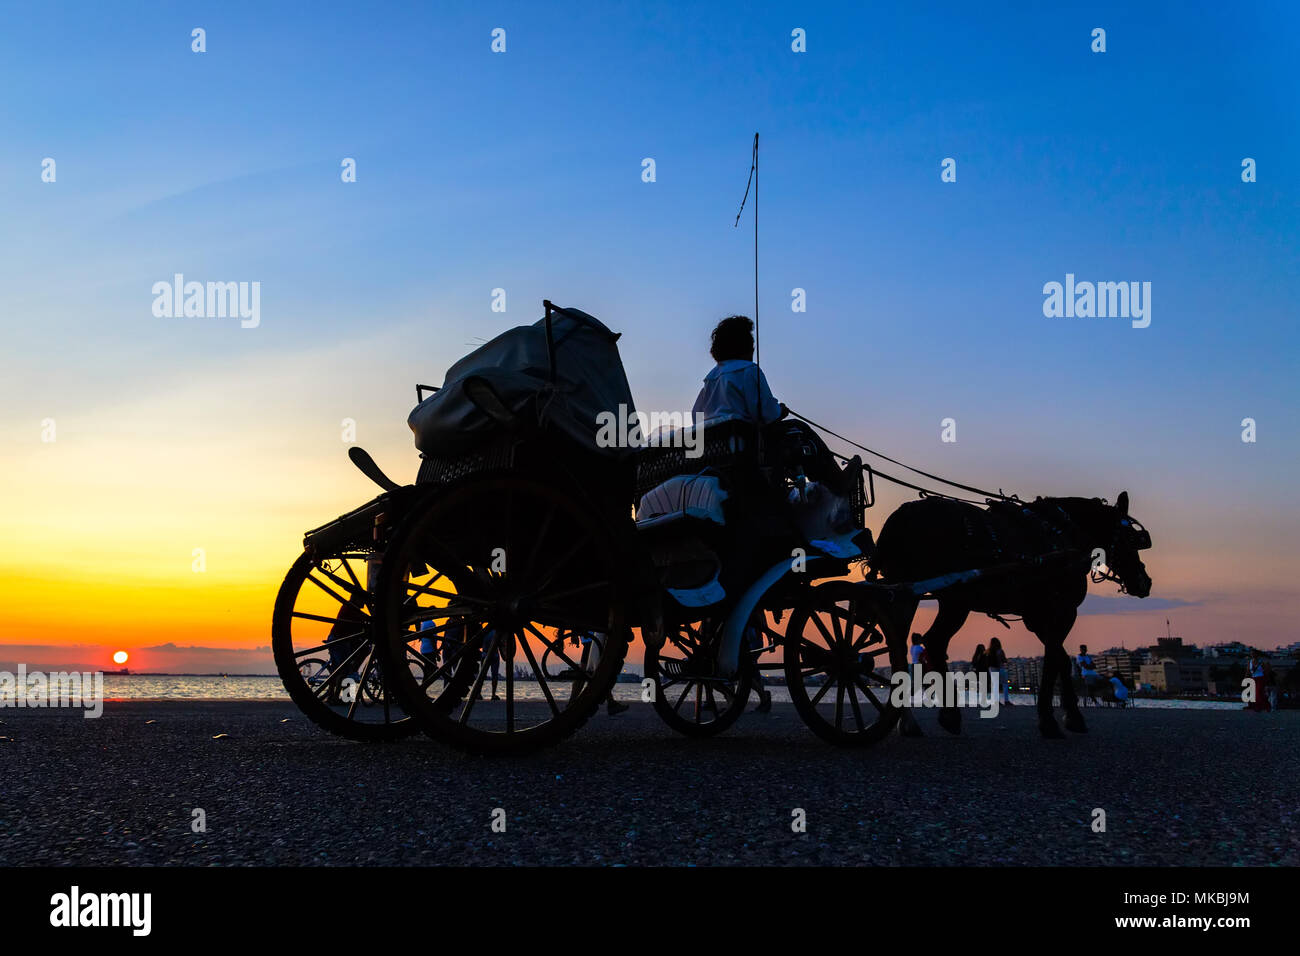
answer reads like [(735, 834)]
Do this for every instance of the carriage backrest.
[(725, 448)]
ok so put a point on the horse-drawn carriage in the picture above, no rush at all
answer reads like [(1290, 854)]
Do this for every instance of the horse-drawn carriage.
[(532, 545)]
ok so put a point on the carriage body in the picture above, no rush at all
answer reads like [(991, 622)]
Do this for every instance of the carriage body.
[(519, 548)]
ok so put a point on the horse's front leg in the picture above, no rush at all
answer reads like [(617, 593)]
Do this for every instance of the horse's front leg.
[(1052, 629), (1047, 725), (896, 623), (1069, 700), (1051, 625)]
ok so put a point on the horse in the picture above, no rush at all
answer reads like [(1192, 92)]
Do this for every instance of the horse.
[(1035, 559)]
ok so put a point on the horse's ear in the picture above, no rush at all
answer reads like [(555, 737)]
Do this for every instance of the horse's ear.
[(1122, 502)]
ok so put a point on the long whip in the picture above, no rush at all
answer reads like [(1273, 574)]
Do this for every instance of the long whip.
[(753, 181), (758, 349)]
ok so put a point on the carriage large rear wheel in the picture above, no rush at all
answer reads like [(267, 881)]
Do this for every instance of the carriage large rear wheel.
[(533, 594), (836, 666), (322, 638)]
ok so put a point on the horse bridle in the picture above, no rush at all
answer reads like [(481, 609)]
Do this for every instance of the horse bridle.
[(1139, 540)]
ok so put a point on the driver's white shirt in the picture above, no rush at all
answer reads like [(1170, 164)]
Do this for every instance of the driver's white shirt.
[(736, 389)]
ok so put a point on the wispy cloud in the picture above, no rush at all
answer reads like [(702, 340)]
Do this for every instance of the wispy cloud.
[(1122, 604), (162, 658)]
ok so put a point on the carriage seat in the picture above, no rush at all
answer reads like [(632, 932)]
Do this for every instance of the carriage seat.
[(679, 519), (683, 496)]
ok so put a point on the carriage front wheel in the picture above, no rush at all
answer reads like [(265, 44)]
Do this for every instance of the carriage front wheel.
[(529, 605), (836, 665), (689, 696)]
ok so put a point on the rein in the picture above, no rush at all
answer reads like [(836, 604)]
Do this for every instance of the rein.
[(1054, 530), (925, 492)]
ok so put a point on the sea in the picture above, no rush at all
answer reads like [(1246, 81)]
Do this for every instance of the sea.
[(269, 687)]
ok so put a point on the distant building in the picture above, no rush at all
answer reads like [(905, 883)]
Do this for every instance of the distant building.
[(1227, 649), (1174, 647), (1124, 663), (1024, 673), (1171, 676)]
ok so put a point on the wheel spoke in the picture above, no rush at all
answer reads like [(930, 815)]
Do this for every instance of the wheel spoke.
[(320, 617), (315, 648), (342, 600), (857, 711), (816, 619), (448, 666), (539, 672), (510, 684), (337, 673), (438, 592), (361, 683), (478, 681), (868, 693), (461, 618), (869, 637), (685, 690), (554, 649), (345, 585), (713, 703), (850, 619), (347, 566), (830, 682)]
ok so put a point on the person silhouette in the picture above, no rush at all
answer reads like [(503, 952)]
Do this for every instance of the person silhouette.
[(735, 388), (491, 655), (345, 644), (1088, 671), (995, 662)]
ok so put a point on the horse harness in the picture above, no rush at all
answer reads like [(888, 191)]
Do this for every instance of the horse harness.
[(1057, 527)]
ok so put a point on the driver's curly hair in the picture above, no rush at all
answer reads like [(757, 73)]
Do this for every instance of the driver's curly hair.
[(733, 338)]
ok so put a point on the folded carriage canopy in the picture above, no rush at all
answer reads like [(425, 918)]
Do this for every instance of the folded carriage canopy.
[(507, 383)]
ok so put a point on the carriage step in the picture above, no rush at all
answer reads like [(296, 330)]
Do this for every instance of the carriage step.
[(678, 670)]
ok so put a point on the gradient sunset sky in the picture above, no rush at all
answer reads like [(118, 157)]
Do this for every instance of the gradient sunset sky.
[(523, 171)]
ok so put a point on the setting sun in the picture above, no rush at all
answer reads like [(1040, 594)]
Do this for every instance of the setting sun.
[(120, 657)]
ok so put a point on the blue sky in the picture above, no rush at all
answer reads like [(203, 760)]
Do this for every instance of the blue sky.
[(522, 171)]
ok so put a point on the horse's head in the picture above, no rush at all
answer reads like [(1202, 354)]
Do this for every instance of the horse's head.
[(1126, 538)]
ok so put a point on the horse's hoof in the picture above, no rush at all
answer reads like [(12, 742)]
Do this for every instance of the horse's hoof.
[(950, 720), (1049, 730), (1074, 723)]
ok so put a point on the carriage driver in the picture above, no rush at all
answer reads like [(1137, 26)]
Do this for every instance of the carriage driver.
[(736, 390), (735, 387)]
